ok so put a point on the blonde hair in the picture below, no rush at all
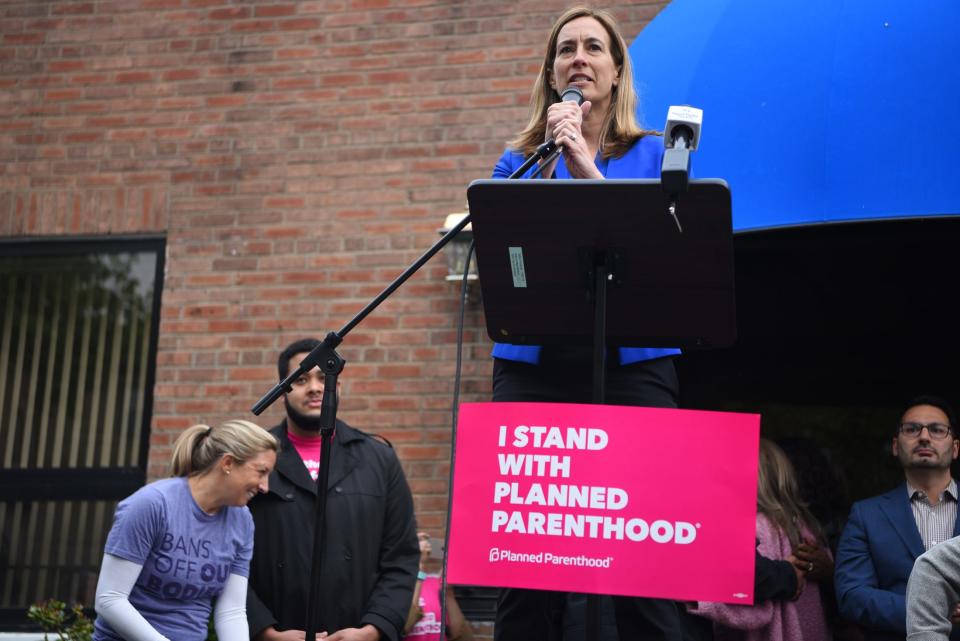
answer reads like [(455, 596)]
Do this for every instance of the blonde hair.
[(620, 128), (778, 494), (199, 447)]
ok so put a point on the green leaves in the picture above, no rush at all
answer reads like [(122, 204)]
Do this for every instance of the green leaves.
[(68, 625)]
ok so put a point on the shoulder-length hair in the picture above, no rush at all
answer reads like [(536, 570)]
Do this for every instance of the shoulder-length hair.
[(620, 128), (778, 494)]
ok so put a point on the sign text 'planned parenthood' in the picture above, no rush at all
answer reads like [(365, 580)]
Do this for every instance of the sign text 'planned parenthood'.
[(564, 495), (605, 499)]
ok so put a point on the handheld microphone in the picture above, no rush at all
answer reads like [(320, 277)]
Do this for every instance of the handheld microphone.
[(572, 94), (550, 150), (681, 135)]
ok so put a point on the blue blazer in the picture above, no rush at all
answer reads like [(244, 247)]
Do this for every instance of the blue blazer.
[(875, 556), (642, 160)]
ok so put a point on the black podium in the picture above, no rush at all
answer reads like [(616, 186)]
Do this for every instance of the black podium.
[(539, 244)]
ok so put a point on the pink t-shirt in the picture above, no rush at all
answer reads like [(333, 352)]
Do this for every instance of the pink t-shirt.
[(428, 628), (309, 450)]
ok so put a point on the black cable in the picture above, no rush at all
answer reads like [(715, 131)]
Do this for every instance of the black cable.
[(453, 436)]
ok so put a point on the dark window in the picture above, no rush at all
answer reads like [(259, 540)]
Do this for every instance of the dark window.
[(838, 326), (78, 335)]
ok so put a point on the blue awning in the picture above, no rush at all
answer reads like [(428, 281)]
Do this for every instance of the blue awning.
[(814, 110)]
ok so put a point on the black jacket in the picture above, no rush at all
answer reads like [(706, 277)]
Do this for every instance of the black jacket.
[(371, 554)]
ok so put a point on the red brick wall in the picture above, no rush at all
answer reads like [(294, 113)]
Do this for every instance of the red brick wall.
[(297, 155)]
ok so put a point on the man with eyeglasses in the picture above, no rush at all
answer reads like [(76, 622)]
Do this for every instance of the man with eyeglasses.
[(885, 534)]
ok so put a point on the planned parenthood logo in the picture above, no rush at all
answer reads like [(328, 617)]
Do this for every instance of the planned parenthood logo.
[(500, 555)]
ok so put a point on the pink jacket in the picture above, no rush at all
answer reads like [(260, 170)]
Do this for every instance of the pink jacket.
[(800, 620)]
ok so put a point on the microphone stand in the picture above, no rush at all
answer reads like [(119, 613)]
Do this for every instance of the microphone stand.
[(557, 150), (331, 364), (549, 147)]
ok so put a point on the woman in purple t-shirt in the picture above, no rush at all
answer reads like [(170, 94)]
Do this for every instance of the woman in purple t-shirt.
[(181, 546)]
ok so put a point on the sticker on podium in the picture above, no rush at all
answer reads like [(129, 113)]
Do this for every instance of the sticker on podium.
[(605, 499)]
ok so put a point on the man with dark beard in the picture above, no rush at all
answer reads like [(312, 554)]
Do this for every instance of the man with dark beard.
[(370, 550), (885, 534)]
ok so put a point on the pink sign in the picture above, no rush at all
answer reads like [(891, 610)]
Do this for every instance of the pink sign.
[(605, 499)]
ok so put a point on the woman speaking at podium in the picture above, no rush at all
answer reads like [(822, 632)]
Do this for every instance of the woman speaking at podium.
[(601, 138)]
